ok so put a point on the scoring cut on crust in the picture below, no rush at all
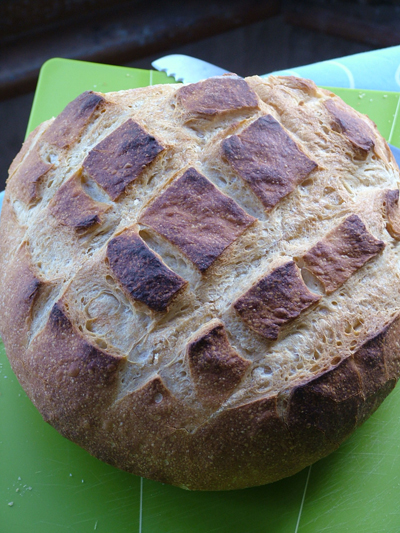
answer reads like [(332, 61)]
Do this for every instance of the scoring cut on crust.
[(216, 368), (72, 207), (276, 299), (69, 367), (142, 275), (197, 218), (68, 127), (29, 175), (268, 160), (391, 199), (351, 126), (121, 157), (22, 288), (216, 96), (156, 411), (341, 253)]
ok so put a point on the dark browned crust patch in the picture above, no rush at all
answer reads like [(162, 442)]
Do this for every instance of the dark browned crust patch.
[(351, 126), (152, 439), (142, 274), (72, 207), (271, 441), (156, 403), (268, 160), (21, 291), (392, 213), (154, 431), (121, 157), (327, 406), (343, 251), (216, 368), (217, 96), (26, 180), (378, 368), (267, 439), (68, 127), (333, 404), (278, 298), (71, 381), (146, 432), (253, 435), (197, 218)]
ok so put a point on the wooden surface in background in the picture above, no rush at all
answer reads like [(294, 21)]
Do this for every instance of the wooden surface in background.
[(125, 32), (258, 48), (373, 23)]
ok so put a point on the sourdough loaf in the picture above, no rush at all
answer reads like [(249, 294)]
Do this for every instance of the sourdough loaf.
[(200, 283)]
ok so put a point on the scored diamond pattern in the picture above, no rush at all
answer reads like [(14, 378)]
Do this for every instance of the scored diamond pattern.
[(196, 217), (276, 299), (120, 158), (341, 253), (141, 273), (216, 96), (268, 160)]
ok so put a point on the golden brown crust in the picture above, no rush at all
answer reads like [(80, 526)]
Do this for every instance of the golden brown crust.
[(61, 364), (335, 403), (303, 85), (342, 252), (252, 435), (164, 412), (28, 176), (29, 141), (268, 160), (158, 375), (17, 296), (276, 436), (276, 299), (121, 157), (197, 218)]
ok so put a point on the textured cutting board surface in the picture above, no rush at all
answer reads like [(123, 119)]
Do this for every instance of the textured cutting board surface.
[(50, 485)]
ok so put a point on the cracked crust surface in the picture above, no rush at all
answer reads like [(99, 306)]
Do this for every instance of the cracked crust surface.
[(200, 284)]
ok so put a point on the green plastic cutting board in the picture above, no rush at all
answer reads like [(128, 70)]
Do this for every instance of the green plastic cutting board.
[(50, 485)]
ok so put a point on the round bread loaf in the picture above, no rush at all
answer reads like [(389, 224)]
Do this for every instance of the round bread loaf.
[(200, 283)]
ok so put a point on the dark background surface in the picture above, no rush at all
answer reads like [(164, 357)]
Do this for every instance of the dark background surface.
[(243, 37)]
